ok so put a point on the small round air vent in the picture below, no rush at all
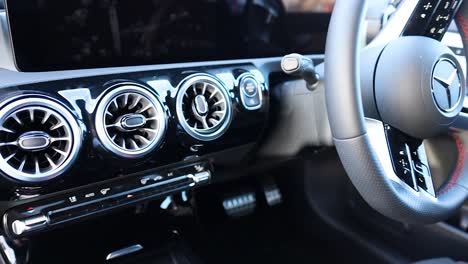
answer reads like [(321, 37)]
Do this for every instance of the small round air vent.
[(203, 107), (39, 139), (130, 121)]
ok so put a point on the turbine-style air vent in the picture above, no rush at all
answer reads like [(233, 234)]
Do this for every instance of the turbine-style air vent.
[(39, 139), (203, 107), (130, 121)]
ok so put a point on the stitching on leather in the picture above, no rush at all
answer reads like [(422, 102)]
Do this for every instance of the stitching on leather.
[(460, 165)]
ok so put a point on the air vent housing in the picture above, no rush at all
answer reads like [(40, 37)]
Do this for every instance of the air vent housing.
[(130, 121), (39, 139), (203, 107)]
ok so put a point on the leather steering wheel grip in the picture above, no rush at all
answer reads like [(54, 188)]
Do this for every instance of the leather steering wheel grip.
[(353, 142)]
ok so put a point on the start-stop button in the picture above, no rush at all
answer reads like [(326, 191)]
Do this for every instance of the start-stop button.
[(250, 92), (249, 86)]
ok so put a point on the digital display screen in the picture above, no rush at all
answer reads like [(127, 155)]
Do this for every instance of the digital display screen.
[(77, 34)]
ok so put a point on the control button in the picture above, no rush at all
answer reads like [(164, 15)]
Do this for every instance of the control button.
[(151, 179), (157, 178), (145, 180), (249, 86), (445, 5), (426, 10), (421, 172), (421, 181), (401, 156), (419, 21), (72, 199), (90, 195), (202, 176), (404, 163), (29, 224), (199, 168), (104, 191), (252, 102), (427, 6), (250, 92), (441, 18)]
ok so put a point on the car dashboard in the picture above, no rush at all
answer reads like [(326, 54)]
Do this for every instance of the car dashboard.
[(116, 104)]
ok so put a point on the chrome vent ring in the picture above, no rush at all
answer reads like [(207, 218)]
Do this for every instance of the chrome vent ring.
[(39, 139), (130, 121), (203, 107)]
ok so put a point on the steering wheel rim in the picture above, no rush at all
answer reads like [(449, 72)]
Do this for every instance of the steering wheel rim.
[(359, 140)]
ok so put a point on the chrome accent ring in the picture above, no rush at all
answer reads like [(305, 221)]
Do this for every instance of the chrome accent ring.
[(63, 115), (207, 134), (106, 138)]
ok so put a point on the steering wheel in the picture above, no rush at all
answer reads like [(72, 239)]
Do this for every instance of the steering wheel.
[(385, 99)]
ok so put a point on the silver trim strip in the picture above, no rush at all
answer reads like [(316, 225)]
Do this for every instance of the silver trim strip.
[(124, 251), (8, 251), (7, 60)]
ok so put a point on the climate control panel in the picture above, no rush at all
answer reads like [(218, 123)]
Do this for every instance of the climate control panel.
[(49, 212)]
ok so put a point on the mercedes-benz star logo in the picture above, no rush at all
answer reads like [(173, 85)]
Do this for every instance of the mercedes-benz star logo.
[(446, 86)]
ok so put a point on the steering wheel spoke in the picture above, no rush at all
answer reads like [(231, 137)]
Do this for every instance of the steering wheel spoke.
[(429, 18), (403, 158)]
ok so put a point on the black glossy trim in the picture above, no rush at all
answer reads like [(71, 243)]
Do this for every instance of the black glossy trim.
[(95, 163)]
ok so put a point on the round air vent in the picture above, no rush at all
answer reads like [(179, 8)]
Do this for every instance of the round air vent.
[(39, 139), (203, 107), (130, 121)]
